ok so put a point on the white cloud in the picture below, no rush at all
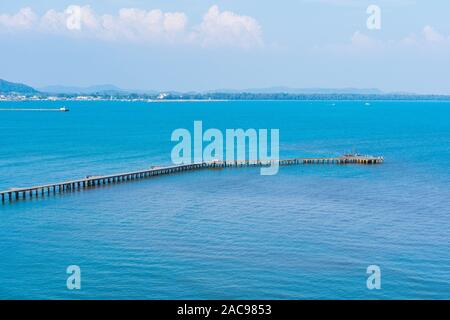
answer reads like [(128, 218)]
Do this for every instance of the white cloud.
[(428, 37), (174, 22), (361, 40), (129, 24), (431, 35), (143, 26), (228, 28), (409, 40), (53, 21), (23, 19), (74, 18)]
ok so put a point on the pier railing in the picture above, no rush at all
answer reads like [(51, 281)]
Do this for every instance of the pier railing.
[(15, 194)]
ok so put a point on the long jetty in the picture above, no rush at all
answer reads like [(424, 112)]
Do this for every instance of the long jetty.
[(16, 194)]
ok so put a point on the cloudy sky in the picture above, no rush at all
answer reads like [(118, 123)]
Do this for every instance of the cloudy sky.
[(202, 44)]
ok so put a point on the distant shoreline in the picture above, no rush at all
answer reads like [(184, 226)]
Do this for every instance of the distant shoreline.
[(10, 91), (225, 98)]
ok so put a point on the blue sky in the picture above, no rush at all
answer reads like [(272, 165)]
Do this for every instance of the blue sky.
[(203, 45)]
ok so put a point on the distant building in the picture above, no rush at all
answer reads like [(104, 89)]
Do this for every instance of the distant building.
[(162, 96)]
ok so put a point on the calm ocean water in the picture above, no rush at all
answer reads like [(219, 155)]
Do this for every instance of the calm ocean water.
[(308, 232)]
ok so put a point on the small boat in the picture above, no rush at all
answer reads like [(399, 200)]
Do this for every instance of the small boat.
[(64, 109), (367, 104)]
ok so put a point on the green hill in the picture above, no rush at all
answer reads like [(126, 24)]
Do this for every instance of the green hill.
[(7, 87)]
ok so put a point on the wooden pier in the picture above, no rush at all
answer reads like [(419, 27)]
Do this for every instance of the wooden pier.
[(16, 194)]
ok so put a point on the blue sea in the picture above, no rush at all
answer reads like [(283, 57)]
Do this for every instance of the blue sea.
[(309, 232)]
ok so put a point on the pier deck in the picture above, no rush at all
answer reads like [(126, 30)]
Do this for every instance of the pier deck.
[(15, 194)]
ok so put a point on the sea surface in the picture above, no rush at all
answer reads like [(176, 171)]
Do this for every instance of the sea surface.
[(308, 232)]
